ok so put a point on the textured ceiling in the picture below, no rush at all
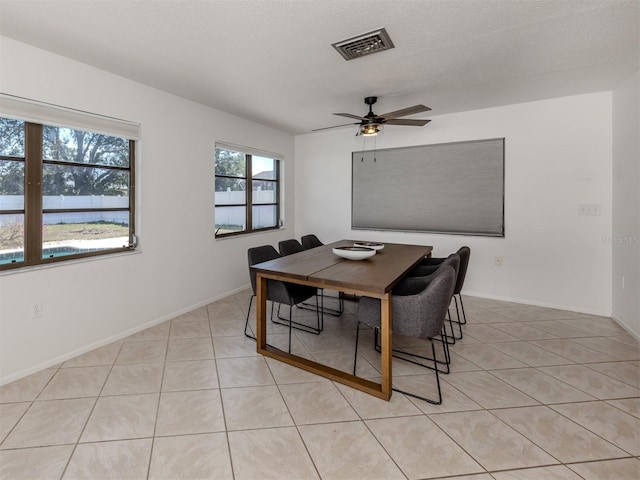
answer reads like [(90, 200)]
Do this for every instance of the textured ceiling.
[(271, 61)]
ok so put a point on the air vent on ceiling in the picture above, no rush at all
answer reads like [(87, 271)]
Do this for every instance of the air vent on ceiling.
[(365, 44)]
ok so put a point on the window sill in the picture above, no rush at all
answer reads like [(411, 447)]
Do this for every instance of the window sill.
[(249, 234), (33, 268)]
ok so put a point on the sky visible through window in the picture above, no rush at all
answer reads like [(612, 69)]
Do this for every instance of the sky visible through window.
[(261, 164)]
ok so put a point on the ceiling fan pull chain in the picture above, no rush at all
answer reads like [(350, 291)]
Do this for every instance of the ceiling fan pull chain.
[(375, 143)]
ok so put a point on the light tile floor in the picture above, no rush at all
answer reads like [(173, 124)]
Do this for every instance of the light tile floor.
[(534, 393)]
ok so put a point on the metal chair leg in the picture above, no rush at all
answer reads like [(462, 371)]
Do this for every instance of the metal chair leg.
[(355, 356), (437, 374), (458, 316), (435, 369), (329, 311), (397, 353), (290, 329), (301, 326), (451, 339), (464, 315), (246, 323)]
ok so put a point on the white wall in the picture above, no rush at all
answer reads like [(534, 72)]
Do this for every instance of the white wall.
[(626, 203), (558, 156), (181, 265)]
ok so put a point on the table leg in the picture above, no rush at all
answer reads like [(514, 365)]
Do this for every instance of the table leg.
[(385, 345), (261, 313), (381, 390)]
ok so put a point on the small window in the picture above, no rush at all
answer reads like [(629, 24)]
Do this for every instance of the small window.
[(64, 193), (247, 192)]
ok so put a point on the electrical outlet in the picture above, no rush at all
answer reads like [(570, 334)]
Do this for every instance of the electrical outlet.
[(36, 310), (590, 209), (497, 261)]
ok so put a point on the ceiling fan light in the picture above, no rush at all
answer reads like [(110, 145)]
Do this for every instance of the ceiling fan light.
[(371, 129)]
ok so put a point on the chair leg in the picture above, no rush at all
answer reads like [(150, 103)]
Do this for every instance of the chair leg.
[(435, 369), (246, 323), (434, 358), (401, 355), (464, 315), (319, 319), (447, 356), (355, 355), (279, 323), (451, 339), (297, 325), (459, 322), (329, 311), (290, 329), (290, 324)]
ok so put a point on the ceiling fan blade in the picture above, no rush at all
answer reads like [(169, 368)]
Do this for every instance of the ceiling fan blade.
[(405, 111), (335, 126), (406, 121), (348, 115)]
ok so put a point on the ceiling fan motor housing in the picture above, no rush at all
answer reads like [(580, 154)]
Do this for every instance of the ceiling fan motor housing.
[(371, 117)]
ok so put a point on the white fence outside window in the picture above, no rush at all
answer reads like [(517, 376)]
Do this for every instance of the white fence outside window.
[(262, 215), (15, 202)]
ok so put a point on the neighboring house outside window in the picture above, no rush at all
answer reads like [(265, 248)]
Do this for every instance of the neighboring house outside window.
[(247, 191), (64, 193)]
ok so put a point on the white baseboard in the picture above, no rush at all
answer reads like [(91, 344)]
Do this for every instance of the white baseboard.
[(105, 341), (524, 301), (626, 327)]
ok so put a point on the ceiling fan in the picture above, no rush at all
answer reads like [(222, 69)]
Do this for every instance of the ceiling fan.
[(371, 124)]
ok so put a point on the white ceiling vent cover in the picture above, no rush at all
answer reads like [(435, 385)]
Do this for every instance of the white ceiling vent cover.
[(365, 44)]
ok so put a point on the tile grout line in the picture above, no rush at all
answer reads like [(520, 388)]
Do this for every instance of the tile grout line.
[(224, 415), (75, 446), (155, 424)]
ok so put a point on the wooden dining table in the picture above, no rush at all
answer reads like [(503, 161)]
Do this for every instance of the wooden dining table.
[(320, 267)]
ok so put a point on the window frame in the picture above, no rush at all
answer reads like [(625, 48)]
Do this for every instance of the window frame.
[(34, 212), (249, 181)]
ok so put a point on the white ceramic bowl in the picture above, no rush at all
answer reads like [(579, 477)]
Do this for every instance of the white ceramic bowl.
[(375, 245), (354, 253)]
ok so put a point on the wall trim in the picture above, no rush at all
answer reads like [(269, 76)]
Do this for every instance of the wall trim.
[(619, 321), (113, 338), (626, 327), (523, 301)]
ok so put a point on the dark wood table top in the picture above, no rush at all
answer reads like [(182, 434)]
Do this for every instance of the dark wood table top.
[(322, 268)]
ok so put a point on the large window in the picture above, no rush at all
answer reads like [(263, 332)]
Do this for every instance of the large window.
[(64, 193), (247, 192)]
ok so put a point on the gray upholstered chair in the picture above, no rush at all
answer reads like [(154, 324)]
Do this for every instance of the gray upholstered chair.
[(430, 264), (425, 269), (310, 241), (289, 247), (419, 306), (281, 293)]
